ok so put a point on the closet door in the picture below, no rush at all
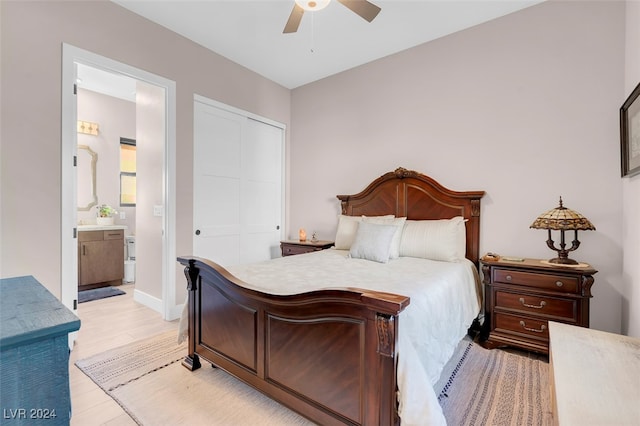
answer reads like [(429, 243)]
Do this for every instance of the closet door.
[(261, 198), (237, 185)]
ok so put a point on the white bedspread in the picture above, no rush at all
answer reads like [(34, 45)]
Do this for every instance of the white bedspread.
[(444, 302)]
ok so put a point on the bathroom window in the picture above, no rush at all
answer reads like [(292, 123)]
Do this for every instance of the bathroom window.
[(127, 172)]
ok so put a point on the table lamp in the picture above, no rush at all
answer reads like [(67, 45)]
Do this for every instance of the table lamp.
[(562, 219)]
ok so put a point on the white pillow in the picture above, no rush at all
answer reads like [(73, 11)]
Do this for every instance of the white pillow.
[(347, 228), (434, 239), (398, 222), (372, 242)]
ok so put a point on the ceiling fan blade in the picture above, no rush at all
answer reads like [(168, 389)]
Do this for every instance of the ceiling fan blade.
[(364, 8), (294, 20)]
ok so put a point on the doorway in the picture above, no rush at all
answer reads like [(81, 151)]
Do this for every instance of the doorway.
[(164, 302)]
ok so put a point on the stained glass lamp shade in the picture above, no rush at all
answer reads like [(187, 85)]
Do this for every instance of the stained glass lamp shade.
[(562, 219)]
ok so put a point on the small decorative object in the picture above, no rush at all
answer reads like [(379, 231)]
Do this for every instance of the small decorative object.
[(314, 237), (630, 134), (105, 215), (562, 219), (302, 234), (493, 257)]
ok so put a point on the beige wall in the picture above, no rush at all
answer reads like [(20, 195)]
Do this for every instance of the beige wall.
[(31, 37), (117, 118), (524, 107), (631, 188), (150, 137)]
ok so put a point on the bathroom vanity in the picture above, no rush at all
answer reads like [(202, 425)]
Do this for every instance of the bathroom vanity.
[(100, 256)]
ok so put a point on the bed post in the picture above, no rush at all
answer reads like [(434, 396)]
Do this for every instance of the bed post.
[(192, 360), (386, 335), (386, 328)]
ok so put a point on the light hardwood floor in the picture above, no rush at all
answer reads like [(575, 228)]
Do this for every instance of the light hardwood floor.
[(105, 324)]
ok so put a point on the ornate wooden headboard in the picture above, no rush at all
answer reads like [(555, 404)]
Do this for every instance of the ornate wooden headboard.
[(406, 193)]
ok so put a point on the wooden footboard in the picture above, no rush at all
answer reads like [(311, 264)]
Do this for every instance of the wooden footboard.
[(329, 355)]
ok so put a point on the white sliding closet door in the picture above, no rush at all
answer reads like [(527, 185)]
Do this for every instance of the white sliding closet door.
[(237, 186)]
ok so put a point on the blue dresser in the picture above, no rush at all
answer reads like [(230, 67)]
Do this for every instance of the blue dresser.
[(34, 354)]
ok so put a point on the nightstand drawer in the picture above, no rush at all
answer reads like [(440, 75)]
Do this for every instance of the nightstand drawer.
[(561, 283), (288, 250), (556, 308), (533, 327)]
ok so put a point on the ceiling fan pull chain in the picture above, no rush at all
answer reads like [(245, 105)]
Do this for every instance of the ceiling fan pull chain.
[(313, 30)]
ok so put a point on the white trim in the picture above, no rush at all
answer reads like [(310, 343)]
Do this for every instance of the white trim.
[(176, 311), (217, 104), (169, 214), (68, 193), (148, 300), (69, 268)]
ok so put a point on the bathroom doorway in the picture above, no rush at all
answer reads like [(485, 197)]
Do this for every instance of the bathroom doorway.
[(155, 106), (106, 171)]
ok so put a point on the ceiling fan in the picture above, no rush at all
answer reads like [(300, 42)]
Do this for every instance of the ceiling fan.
[(363, 8)]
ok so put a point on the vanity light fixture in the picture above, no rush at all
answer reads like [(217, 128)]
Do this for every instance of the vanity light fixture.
[(562, 219), (88, 128)]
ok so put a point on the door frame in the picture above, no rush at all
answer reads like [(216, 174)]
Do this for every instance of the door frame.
[(72, 55)]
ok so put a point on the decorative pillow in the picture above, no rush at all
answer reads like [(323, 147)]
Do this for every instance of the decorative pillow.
[(372, 242), (398, 222), (434, 239), (347, 228)]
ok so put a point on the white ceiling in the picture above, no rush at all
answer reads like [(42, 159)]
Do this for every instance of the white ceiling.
[(327, 42), (108, 83)]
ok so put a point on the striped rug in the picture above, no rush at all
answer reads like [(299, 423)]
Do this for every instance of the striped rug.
[(478, 387), (495, 387), (147, 381), (120, 366)]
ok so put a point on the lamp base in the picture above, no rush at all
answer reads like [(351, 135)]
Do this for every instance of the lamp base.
[(563, 261)]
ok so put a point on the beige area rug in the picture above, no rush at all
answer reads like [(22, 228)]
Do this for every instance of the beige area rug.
[(151, 385), (495, 387), (118, 367), (479, 387)]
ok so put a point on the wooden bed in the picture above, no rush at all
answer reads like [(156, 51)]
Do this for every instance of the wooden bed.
[(329, 355)]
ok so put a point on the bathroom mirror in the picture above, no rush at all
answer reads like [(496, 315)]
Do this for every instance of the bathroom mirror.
[(86, 172)]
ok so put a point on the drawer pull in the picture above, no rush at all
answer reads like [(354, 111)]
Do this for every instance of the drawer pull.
[(535, 330), (559, 283), (526, 305), (508, 277)]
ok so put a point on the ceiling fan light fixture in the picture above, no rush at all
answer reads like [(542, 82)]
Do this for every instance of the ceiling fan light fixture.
[(363, 8), (312, 5)]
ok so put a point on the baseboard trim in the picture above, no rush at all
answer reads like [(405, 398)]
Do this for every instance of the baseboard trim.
[(176, 312), (148, 300), (156, 304)]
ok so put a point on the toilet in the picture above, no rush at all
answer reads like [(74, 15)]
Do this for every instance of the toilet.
[(130, 262)]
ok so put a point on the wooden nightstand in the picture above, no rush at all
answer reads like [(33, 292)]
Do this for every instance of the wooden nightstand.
[(521, 297), (289, 248)]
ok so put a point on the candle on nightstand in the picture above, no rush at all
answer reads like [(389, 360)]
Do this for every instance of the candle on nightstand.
[(302, 234)]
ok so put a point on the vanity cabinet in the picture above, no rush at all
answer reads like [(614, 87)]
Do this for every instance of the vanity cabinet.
[(100, 257)]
